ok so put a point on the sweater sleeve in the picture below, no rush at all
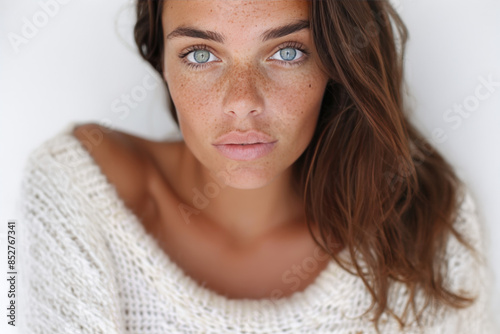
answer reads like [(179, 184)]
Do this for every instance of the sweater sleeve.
[(68, 283), (470, 273)]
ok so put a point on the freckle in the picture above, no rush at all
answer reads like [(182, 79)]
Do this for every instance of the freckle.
[(309, 85)]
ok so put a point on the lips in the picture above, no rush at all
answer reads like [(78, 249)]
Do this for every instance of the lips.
[(244, 138), (245, 146), (245, 152)]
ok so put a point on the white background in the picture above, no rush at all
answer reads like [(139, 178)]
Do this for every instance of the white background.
[(80, 62)]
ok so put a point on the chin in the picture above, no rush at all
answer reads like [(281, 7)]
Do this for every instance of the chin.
[(248, 185), (244, 178)]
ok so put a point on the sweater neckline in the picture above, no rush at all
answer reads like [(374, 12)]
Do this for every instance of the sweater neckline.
[(325, 287)]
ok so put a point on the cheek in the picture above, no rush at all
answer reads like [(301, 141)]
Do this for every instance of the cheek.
[(298, 105), (298, 101), (194, 97), (299, 88)]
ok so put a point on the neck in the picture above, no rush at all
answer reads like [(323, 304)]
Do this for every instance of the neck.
[(245, 216)]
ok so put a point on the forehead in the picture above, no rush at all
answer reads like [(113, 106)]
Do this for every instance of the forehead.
[(233, 15)]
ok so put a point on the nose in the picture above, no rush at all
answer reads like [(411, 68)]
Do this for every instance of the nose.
[(242, 95)]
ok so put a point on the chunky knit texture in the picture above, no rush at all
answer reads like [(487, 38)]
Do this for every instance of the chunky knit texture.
[(90, 267)]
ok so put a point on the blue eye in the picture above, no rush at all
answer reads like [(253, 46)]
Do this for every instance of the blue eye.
[(200, 56), (288, 54)]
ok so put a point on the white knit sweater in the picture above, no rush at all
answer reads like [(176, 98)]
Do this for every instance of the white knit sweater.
[(90, 267)]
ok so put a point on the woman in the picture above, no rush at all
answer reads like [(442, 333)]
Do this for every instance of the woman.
[(300, 200)]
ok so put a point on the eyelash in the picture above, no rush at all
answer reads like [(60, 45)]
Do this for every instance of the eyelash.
[(293, 45)]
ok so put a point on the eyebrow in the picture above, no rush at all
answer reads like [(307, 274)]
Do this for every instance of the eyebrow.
[(287, 29)]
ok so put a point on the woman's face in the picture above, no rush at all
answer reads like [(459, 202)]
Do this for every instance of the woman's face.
[(225, 73)]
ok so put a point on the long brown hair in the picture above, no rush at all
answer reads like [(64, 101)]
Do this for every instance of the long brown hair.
[(368, 178)]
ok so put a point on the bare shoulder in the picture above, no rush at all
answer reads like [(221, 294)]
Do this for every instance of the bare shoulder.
[(121, 158)]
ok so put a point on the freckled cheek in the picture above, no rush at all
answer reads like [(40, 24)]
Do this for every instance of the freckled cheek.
[(193, 96), (297, 109), (296, 101)]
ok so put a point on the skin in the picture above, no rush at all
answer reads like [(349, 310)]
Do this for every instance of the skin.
[(244, 85)]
